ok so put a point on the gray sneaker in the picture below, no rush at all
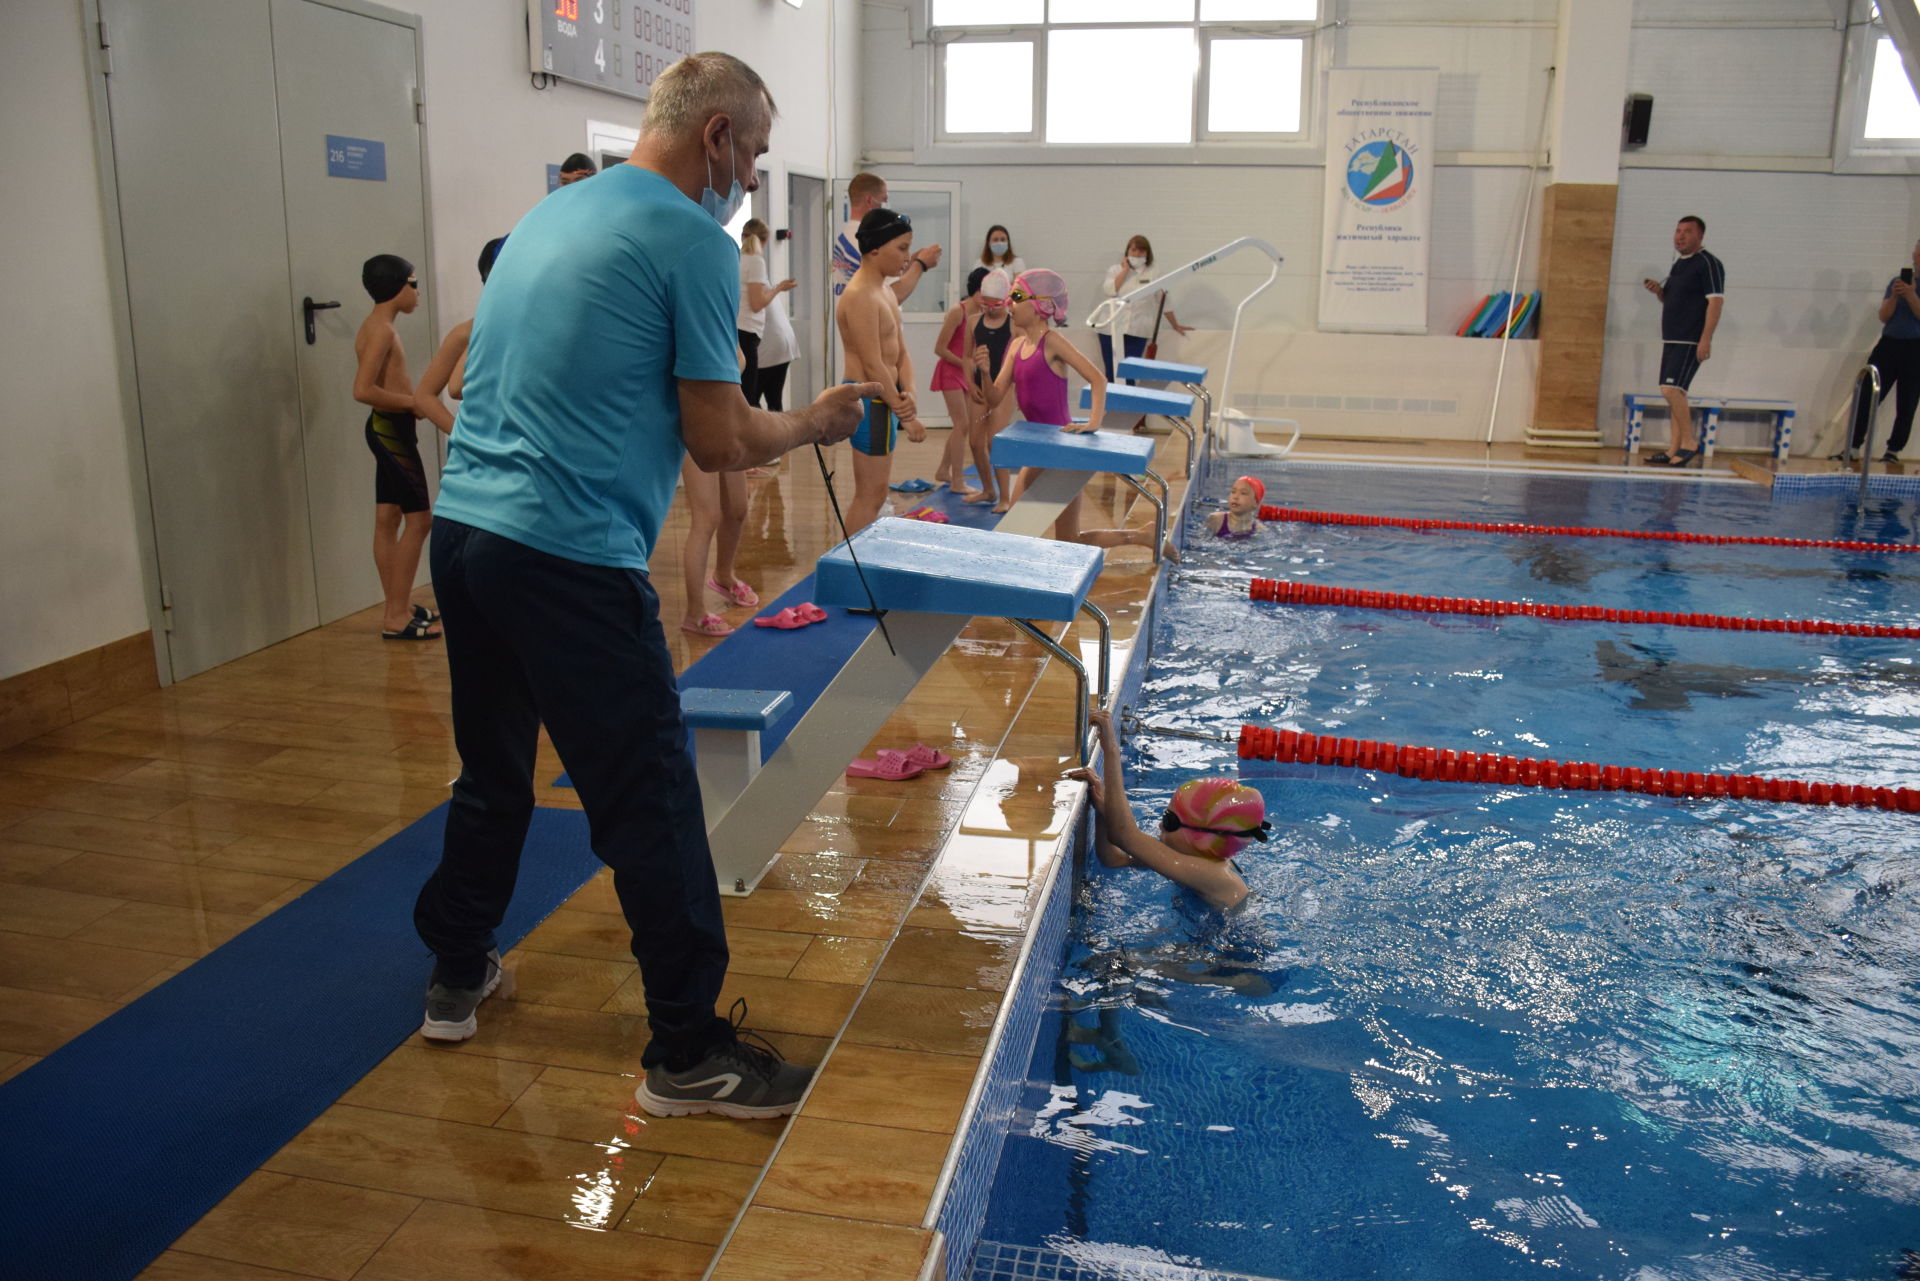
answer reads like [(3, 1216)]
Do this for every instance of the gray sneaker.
[(450, 1009), (735, 1079)]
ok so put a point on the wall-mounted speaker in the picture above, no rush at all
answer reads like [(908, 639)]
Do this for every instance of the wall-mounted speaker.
[(1636, 120)]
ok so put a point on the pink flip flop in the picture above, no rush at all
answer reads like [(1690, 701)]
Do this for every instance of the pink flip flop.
[(740, 594), (708, 625), (786, 620), (891, 767), (925, 757), (810, 612)]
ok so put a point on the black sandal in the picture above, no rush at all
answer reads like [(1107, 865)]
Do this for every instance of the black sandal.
[(1659, 460), (415, 630), (1684, 458), (425, 615)]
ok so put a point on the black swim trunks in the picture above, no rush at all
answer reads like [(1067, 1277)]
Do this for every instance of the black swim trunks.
[(399, 477)]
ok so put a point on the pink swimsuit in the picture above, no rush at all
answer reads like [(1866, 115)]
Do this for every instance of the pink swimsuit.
[(946, 377), (1041, 393)]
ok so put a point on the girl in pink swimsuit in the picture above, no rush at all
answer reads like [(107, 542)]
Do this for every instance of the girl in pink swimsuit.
[(1036, 371), (952, 378)]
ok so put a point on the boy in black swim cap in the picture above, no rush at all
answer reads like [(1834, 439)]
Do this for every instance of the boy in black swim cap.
[(401, 512)]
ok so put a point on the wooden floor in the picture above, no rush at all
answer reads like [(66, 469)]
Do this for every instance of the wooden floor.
[(138, 840)]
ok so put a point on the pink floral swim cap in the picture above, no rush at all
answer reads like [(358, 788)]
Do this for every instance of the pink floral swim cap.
[(1048, 292), (1214, 817)]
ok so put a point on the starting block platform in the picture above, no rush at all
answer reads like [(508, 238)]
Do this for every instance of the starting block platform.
[(929, 581), (1051, 449), (1175, 406), (1166, 371)]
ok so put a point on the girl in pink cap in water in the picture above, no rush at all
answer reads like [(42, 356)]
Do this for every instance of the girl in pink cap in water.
[(1241, 519)]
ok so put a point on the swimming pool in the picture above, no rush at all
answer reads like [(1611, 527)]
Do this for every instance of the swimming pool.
[(1470, 1030)]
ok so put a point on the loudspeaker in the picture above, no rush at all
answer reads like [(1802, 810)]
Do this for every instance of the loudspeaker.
[(1636, 120)]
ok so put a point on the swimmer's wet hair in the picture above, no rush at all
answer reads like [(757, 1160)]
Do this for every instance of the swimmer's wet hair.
[(489, 252), (578, 162), (702, 85)]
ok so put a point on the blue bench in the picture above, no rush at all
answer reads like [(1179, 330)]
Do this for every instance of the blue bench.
[(1128, 457), (726, 725)]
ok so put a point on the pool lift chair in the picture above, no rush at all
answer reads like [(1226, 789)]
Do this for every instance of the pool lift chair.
[(1231, 433)]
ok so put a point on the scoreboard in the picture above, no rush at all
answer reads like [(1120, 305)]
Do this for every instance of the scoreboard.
[(616, 45)]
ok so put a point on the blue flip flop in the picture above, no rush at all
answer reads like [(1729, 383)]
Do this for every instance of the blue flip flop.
[(914, 486)]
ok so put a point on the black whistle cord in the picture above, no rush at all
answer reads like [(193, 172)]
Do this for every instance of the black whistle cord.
[(879, 615)]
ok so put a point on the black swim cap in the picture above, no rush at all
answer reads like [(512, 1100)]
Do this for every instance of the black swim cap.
[(880, 227), (578, 162), (385, 275), (488, 253), (974, 279)]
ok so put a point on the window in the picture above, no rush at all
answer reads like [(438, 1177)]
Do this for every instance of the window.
[(1892, 110), (1121, 72)]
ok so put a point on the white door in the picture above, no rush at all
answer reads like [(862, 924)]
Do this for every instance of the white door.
[(931, 207), (807, 264), (250, 552), (345, 76)]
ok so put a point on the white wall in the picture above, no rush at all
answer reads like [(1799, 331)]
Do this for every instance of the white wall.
[(1746, 94), (72, 580)]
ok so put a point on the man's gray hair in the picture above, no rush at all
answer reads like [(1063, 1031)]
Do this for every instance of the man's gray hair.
[(700, 86)]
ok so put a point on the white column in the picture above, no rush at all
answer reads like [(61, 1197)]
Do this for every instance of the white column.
[(1589, 90)]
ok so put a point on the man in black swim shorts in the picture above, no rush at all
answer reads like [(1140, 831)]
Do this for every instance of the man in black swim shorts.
[(401, 517), (1690, 300)]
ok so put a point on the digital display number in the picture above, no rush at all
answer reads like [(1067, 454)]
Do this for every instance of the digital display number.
[(589, 42)]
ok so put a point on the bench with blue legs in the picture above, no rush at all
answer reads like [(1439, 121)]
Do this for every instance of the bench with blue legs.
[(1077, 454), (929, 580), (1711, 408)]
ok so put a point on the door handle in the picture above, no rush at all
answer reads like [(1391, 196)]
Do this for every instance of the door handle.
[(307, 307)]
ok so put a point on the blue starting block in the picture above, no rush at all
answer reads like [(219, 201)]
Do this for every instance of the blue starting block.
[(1165, 371), (1049, 448), (932, 580), (726, 725), (1175, 406)]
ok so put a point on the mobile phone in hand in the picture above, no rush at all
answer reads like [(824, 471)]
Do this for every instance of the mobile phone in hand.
[(1906, 275)]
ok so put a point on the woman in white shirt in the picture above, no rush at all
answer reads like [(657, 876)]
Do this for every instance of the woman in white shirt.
[(756, 294), (997, 251), (1135, 271)]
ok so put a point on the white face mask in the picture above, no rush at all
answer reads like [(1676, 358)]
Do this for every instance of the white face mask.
[(1137, 261), (998, 246)]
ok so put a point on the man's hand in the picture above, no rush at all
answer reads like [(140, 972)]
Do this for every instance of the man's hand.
[(1902, 290), (1652, 286), (933, 253), (1703, 349), (840, 410), (916, 430)]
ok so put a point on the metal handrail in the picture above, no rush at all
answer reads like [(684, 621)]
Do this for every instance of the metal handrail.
[(1869, 375)]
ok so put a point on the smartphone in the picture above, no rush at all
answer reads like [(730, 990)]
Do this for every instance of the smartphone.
[(1906, 275)]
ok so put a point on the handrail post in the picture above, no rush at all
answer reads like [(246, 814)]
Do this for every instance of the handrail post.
[(1869, 375)]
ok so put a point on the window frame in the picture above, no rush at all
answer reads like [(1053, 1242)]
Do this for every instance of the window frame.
[(1853, 151), (935, 144)]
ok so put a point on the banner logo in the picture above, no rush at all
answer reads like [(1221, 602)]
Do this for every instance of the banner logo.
[(1380, 174)]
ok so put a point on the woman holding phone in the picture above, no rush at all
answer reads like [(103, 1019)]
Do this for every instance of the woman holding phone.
[(1897, 356)]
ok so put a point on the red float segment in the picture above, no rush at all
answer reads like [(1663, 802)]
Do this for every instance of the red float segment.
[(1409, 761), (1303, 516), (1291, 592)]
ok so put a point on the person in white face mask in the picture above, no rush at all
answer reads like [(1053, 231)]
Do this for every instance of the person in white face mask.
[(997, 251), (1147, 314)]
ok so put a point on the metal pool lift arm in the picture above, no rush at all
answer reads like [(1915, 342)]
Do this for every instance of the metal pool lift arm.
[(1109, 313)]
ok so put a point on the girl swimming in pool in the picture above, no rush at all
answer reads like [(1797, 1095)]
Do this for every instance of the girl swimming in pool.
[(1241, 519), (1208, 822)]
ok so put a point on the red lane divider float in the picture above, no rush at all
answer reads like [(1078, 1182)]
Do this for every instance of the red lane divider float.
[(1302, 516), (1261, 743), (1288, 592)]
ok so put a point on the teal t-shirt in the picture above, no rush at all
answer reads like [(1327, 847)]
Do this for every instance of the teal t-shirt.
[(605, 295)]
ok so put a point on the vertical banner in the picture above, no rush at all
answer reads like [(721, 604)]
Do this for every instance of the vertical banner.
[(1379, 206)]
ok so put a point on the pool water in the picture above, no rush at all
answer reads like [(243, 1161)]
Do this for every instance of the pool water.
[(1467, 1031)]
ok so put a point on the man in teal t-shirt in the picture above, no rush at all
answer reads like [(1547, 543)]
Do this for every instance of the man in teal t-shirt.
[(603, 347)]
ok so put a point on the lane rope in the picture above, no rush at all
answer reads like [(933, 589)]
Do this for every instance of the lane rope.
[(1285, 591), (1447, 765), (1300, 515)]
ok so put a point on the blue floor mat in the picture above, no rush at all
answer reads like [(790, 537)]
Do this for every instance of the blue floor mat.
[(804, 660), (119, 1141)]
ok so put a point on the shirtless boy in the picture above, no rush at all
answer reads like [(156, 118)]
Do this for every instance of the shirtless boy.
[(868, 317), (400, 509), (447, 371)]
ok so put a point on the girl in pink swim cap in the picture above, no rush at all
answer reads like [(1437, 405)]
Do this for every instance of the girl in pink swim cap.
[(1241, 519), (1208, 822)]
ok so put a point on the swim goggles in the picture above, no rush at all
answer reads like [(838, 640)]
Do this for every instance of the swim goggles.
[(1171, 822), (1019, 295)]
